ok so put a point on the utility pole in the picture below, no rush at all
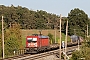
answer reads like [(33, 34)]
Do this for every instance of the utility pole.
[(66, 39), (60, 37), (87, 30), (2, 37), (55, 35)]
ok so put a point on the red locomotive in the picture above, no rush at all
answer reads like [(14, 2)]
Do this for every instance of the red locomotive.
[(36, 43)]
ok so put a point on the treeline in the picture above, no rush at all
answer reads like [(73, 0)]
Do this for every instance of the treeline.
[(29, 19)]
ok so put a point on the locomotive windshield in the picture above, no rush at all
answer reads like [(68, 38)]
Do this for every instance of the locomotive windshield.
[(29, 40)]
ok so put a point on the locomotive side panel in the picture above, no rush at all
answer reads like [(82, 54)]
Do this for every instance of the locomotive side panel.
[(44, 42)]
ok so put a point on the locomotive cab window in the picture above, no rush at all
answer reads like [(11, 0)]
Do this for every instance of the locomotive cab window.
[(33, 40), (29, 40)]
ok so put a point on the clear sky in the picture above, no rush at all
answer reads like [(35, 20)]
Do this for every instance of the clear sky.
[(52, 6)]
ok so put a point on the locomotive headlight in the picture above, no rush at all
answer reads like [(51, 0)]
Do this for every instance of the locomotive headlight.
[(35, 44), (28, 44)]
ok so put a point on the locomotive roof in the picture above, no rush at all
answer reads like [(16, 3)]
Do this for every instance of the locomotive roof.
[(43, 36), (40, 35)]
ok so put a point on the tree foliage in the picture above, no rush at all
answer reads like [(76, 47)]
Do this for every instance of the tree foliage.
[(51, 38), (13, 40), (28, 19), (78, 20)]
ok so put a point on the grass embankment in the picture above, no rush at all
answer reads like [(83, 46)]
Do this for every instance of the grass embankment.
[(44, 32)]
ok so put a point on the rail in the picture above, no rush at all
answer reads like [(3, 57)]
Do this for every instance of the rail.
[(40, 55)]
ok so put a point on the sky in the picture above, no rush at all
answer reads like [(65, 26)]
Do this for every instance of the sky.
[(57, 7)]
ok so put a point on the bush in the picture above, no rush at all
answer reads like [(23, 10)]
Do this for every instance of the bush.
[(51, 38)]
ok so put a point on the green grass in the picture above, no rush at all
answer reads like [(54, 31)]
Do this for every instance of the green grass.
[(63, 36), (24, 41)]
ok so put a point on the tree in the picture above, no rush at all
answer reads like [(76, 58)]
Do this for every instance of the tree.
[(13, 40), (78, 20), (51, 38), (89, 27)]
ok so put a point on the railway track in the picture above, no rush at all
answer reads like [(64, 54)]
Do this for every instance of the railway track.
[(40, 55), (16, 57)]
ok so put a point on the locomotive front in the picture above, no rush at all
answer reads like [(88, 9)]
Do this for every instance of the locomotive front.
[(31, 41), (31, 44)]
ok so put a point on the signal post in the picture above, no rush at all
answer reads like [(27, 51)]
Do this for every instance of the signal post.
[(2, 37), (60, 37)]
